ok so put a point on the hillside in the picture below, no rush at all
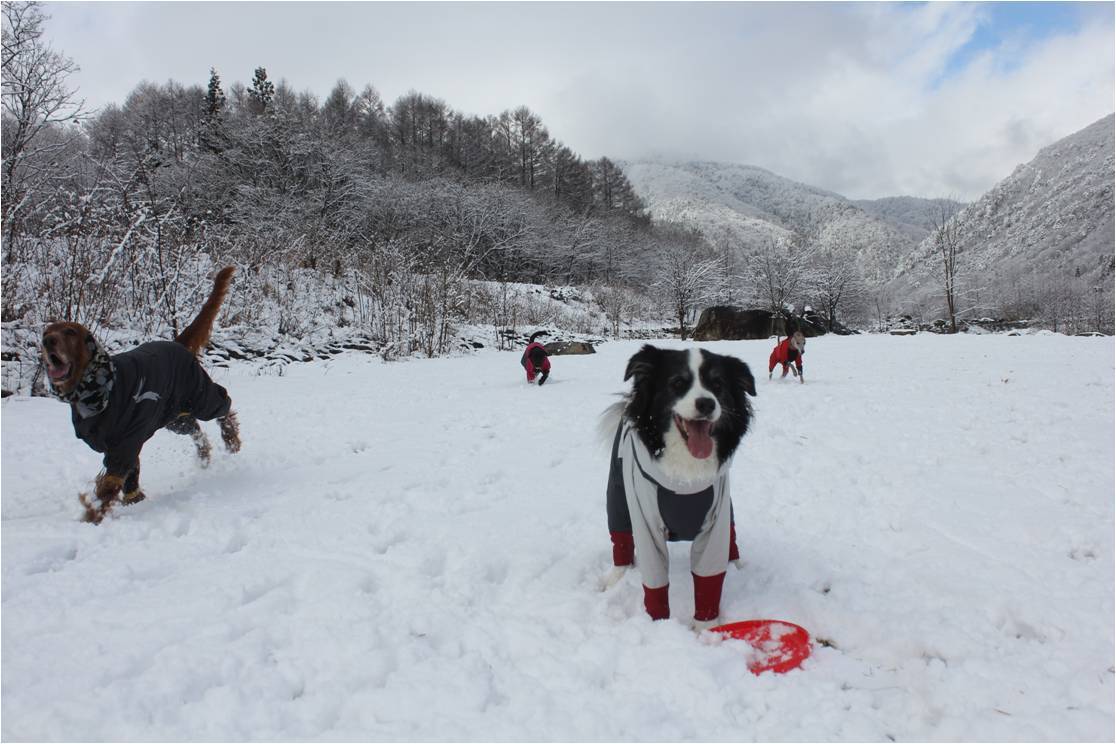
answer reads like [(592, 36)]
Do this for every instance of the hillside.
[(750, 206), (909, 214), (1049, 222)]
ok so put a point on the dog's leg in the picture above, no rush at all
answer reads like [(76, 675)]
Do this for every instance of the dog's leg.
[(612, 578), (623, 558), (107, 493), (707, 599), (702, 625), (132, 492), (734, 551), (230, 431), (186, 424), (623, 548), (201, 444), (657, 602)]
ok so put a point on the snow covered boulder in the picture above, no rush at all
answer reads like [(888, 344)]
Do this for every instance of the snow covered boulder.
[(730, 323), (563, 348)]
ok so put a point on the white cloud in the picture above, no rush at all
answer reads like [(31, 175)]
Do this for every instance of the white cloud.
[(850, 97)]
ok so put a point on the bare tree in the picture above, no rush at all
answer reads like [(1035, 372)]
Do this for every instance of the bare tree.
[(780, 271), (946, 235), (37, 98), (616, 303), (836, 278), (1101, 308), (687, 279)]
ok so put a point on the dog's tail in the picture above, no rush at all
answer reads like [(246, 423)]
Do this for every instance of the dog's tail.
[(196, 335), (609, 420), (535, 335)]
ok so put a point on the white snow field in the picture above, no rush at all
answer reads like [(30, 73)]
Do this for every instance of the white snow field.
[(413, 551)]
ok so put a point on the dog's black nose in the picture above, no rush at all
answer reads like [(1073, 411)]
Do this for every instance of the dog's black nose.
[(705, 406)]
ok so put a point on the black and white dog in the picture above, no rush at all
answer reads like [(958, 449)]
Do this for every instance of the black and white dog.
[(675, 435)]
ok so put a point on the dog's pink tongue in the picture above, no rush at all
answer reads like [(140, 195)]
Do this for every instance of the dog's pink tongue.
[(699, 439), (58, 372)]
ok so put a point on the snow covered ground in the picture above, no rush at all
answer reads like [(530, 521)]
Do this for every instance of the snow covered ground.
[(412, 551)]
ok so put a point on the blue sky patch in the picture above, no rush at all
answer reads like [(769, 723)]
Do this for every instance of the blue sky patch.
[(1021, 24)]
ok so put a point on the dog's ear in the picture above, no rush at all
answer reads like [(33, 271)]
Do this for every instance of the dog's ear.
[(641, 363), (742, 375)]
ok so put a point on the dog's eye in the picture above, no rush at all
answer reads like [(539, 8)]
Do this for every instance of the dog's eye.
[(680, 384)]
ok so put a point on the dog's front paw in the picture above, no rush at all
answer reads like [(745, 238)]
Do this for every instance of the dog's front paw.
[(699, 626), (95, 513), (133, 497), (738, 563), (230, 431), (613, 577)]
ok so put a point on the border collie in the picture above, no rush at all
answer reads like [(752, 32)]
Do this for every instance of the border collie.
[(675, 435)]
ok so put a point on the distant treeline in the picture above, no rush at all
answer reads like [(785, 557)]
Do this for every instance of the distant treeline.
[(118, 216)]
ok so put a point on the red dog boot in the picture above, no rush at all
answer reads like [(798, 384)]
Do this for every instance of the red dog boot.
[(657, 602), (707, 596), (623, 549)]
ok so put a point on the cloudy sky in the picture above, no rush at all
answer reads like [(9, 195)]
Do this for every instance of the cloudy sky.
[(866, 99)]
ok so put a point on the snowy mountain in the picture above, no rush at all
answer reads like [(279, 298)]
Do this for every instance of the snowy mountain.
[(1051, 220), (910, 214), (750, 205)]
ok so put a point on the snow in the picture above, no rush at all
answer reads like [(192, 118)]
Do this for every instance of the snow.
[(414, 551)]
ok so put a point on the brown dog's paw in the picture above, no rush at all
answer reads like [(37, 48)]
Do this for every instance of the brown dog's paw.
[(94, 513), (107, 494), (108, 486), (133, 497), (230, 432), (201, 444)]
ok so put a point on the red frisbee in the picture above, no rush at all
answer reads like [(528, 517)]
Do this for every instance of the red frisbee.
[(777, 646)]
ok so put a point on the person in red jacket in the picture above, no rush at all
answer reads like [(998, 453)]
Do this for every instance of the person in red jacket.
[(789, 351), (535, 359)]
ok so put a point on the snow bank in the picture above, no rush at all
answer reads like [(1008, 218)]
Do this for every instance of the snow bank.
[(412, 551)]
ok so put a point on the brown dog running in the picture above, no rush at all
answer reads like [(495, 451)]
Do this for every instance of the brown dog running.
[(117, 403)]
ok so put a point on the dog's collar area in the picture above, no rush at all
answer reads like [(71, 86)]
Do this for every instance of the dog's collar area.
[(91, 394), (652, 471)]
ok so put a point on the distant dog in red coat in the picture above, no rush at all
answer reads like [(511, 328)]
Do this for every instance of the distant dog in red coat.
[(789, 352), (535, 359)]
